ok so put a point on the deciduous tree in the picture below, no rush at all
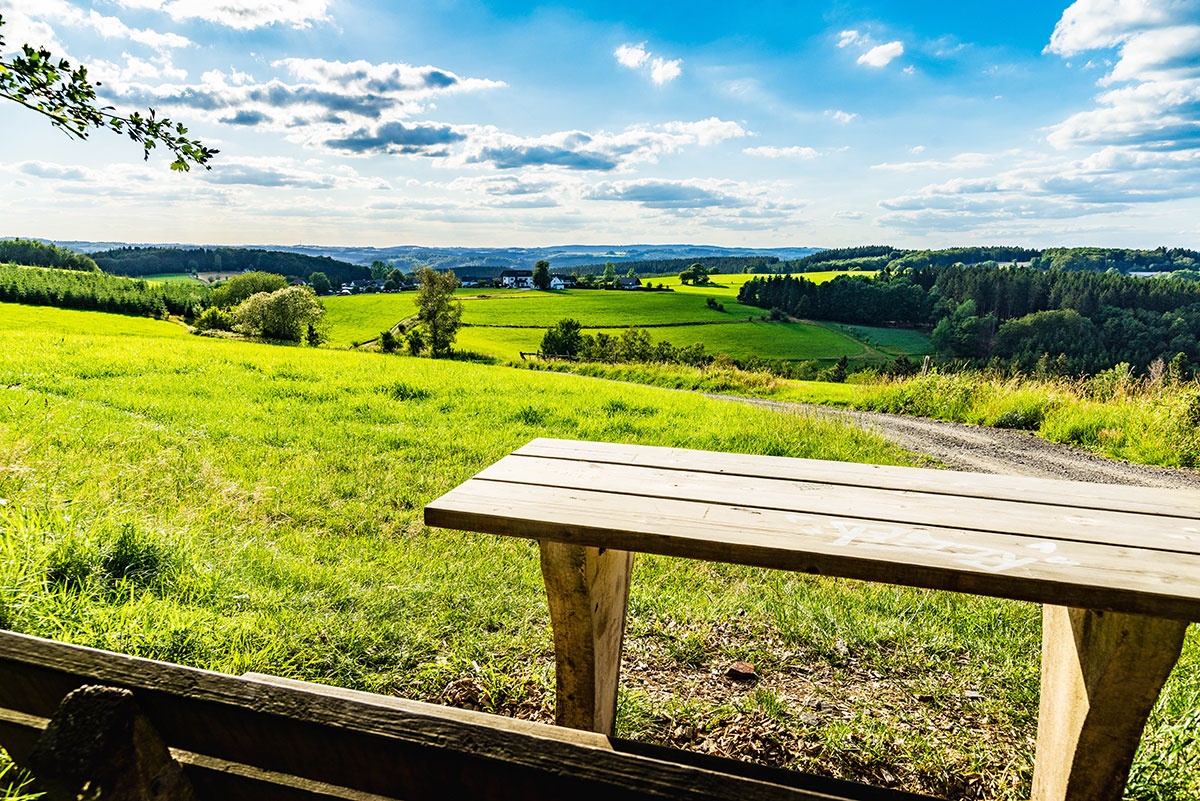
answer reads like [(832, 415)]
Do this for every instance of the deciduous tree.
[(56, 89), (563, 339), (440, 314)]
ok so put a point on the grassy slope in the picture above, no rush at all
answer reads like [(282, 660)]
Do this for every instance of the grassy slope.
[(244, 507)]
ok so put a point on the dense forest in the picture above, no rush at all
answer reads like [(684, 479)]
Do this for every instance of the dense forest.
[(134, 261), (1022, 318), (96, 291), (876, 257)]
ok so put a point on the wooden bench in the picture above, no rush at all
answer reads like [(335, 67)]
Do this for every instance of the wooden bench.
[(1117, 567), (136, 729)]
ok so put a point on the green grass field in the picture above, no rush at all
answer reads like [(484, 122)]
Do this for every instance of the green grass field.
[(172, 278), (597, 309), (238, 506), (503, 323), (727, 286)]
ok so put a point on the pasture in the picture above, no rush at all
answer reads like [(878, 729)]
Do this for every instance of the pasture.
[(237, 506)]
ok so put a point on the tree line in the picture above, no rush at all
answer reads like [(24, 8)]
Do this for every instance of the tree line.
[(96, 291), (1082, 322), (41, 254), (139, 261)]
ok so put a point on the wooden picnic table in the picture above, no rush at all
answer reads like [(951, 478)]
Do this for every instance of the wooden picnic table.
[(1117, 567)]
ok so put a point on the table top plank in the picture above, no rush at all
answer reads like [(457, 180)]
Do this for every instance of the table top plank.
[(1104, 547), (912, 507), (1113, 497), (1003, 565)]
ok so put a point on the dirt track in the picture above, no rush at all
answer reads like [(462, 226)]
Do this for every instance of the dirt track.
[(991, 450)]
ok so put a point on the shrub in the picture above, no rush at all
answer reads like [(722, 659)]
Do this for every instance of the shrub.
[(213, 319), (285, 314)]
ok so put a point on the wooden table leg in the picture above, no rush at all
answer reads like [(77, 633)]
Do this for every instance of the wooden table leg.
[(1101, 674), (588, 592)]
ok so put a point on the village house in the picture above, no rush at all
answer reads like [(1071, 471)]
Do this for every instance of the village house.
[(517, 279)]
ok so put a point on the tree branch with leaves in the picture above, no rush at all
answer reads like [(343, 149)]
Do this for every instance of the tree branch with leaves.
[(54, 88)]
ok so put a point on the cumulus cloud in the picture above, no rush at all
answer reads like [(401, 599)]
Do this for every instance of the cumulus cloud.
[(1157, 103), (1111, 179), (882, 55), (872, 55), (795, 152), (601, 151), (632, 55), (354, 107), (35, 25), (637, 57), (240, 14), (654, 194), (838, 115), (397, 137)]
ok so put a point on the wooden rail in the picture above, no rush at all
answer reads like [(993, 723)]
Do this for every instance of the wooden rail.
[(136, 729), (1118, 568)]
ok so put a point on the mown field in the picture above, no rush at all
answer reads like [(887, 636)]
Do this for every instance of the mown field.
[(237, 506)]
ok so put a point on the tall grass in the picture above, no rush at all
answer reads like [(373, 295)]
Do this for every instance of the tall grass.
[(1113, 413)]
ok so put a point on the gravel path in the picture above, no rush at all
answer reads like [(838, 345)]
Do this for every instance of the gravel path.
[(992, 450)]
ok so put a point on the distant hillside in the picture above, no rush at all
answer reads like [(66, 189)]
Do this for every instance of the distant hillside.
[(715, 264), (139, 261), (478, 260)]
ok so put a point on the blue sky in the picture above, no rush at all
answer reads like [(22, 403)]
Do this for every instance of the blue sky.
[(752, 124)]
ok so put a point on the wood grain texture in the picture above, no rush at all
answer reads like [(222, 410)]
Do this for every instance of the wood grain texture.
[(1063, 572), (1115, 497), (588, 591), (1060, 521), (1101, 674), (340, 741)]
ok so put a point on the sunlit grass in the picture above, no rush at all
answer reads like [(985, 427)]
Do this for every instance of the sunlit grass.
[(237, 506)]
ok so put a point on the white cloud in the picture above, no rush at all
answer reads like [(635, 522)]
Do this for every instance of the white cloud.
[(663, 71), (637, 57), (847, 38), (35, 26), (1157, 107), (240, 14), (770, 152), (843, 117), (632, 55), (601, 151), (1097, 24), (132, 69), (882, 55), (352, 107)]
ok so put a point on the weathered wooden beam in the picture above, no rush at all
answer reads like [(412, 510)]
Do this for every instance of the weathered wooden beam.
[(588, 592), (281, 740), (100, 745), (1101, 674)]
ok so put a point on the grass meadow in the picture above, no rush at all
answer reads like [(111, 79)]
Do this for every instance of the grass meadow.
[(503, 323), (238, 506)]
